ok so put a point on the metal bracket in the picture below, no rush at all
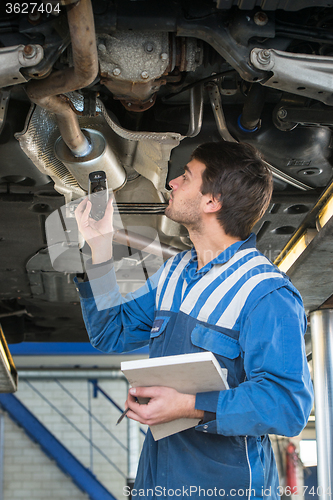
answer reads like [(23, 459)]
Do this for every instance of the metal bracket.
[(213, 31), (16, 57), (4, 100), (287, 117), (302, 74), (216, 102)]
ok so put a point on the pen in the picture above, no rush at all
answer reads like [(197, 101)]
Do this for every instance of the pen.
[(122, 415)]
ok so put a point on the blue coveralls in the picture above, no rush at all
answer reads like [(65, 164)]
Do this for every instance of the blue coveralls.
[(244, 310)]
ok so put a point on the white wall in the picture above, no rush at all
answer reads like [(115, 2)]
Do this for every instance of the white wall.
[(30, 474)]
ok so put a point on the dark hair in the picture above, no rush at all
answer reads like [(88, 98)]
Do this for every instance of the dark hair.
[(236, 175)]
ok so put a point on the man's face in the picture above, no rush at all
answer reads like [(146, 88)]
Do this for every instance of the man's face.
[(186, 202)]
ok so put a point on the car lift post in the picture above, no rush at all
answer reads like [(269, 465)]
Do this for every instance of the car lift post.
[(322, 356)]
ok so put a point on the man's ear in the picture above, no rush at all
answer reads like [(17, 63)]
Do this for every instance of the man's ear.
[(212, 205)]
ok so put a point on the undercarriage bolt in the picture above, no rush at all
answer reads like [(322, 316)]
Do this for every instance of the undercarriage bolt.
[(144, 75), (29, 51), (149, 47), (282, 113), (116, 71), (260, 18), (34, 17), (264, 56)]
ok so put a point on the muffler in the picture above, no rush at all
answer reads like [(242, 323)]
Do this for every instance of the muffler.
[(100, 157)]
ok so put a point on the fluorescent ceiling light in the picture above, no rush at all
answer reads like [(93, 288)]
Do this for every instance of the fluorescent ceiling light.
[(8, 373), (326, 212), (296, 250)]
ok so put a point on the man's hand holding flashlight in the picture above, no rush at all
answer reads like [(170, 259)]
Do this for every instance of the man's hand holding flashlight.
[(97, 233)]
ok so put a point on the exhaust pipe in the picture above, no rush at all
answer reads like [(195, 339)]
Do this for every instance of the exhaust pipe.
[(46, 92), (81, 151)]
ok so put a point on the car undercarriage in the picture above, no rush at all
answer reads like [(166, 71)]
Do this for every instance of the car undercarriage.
[(131, 88)]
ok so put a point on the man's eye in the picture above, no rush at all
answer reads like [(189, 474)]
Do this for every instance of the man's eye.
[(184, 177)]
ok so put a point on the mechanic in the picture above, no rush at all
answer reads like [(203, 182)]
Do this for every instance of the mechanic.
[(221, 296)]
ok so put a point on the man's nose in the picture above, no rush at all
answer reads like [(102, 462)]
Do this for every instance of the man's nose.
[(174, 183)]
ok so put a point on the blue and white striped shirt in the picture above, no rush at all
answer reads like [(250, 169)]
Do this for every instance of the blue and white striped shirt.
[(244, 310)]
